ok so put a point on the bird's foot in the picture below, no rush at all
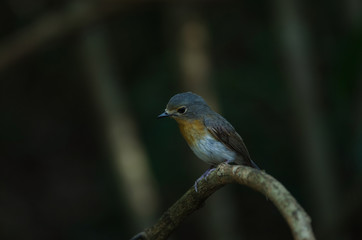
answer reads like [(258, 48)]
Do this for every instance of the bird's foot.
[(230, 162), (203, 176)]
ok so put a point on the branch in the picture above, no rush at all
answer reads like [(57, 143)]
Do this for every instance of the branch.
[(297, 219)]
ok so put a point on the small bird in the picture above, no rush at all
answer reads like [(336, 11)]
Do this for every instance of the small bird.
[(210, 136)]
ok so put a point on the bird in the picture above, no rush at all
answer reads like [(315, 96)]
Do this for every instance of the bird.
[(209, 135)]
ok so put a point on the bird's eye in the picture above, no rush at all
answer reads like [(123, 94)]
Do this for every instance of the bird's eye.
[(181, 110)]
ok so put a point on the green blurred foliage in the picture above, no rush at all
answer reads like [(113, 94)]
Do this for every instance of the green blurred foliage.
[(56, 176)]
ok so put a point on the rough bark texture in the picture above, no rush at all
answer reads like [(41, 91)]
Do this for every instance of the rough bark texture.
[(297, 219)]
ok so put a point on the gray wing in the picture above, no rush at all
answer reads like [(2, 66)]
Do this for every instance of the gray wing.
[(222, 130)]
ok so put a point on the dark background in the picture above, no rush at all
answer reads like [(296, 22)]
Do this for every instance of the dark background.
[(81, 83)]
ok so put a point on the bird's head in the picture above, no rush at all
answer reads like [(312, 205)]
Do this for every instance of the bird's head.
[(185, 106)]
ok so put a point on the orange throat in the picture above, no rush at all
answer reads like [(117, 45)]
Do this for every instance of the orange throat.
[(191, 130)]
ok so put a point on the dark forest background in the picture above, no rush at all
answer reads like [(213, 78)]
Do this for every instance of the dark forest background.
[(81, 83)]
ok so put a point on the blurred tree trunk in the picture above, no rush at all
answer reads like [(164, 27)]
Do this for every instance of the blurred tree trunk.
[(54, 25), (195, 72), (317, 154), (130, 160)]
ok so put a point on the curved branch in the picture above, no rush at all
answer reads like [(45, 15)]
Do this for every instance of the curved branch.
[(297, 219)]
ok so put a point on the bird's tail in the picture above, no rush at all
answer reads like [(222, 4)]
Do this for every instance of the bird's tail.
[(253, 164)]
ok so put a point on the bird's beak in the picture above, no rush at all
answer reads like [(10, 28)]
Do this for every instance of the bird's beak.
[(162, 115)]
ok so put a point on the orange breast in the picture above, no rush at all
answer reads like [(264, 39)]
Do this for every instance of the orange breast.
[(192, 130)]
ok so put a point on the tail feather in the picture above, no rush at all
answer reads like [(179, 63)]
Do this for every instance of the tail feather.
[(253, 164)]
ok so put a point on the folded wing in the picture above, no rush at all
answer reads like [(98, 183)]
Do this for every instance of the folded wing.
[(222, 130)]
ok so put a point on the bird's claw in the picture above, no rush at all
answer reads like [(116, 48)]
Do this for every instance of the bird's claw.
[(203, 176)]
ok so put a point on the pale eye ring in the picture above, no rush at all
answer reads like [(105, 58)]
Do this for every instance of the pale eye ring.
[(181, 110)]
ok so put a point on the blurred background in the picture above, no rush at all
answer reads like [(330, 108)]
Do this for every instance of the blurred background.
[(84, 157)]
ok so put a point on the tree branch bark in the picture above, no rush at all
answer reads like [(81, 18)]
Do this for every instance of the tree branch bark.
[(297, 219)]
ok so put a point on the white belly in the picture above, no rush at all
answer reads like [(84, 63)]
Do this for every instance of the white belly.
[(212, 151)]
